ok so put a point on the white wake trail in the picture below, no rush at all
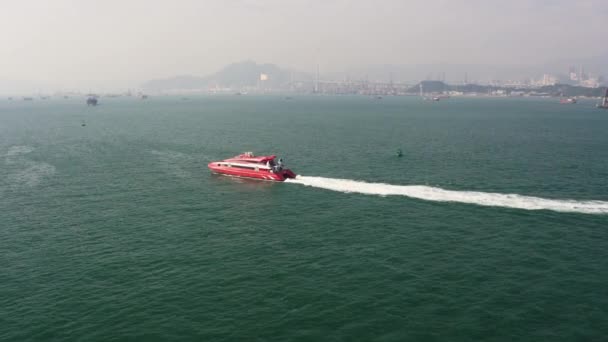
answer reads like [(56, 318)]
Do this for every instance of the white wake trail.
[(441, 195)]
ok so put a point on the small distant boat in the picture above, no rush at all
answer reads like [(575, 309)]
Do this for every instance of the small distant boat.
[(27, 98), (92, 101), (83, 124), (604, 103), (569, 100), (399, 153), (247, 165)]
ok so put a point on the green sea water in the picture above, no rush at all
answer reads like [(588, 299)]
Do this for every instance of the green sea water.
[(493, 225)]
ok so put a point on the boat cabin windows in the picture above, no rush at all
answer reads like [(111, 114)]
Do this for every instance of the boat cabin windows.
[(253, 167), (242, 167)]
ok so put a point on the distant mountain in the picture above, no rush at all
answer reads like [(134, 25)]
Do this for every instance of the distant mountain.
[(236, 75), (247, 74)]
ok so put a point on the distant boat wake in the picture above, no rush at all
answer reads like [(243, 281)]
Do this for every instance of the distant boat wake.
[(441, 195)]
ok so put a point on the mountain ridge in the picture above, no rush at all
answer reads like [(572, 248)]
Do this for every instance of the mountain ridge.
[(235, 75)]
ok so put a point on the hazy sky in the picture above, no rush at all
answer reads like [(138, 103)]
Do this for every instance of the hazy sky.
[(120, 43)]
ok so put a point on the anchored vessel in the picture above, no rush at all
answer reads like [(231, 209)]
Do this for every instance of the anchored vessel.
[(92, 101), (247, 165)]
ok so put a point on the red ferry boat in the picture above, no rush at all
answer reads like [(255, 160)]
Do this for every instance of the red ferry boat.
[(247, 165)]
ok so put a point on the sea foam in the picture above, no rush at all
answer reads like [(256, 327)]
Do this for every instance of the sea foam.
[(441, 195), (32, 174), (18, 150), (21, 171)]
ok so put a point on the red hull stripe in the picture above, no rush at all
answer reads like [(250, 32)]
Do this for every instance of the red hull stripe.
[(248, 173)]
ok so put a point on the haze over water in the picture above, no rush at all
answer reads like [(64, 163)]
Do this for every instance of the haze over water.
[(82, 45), (492, 226)]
